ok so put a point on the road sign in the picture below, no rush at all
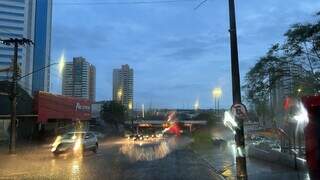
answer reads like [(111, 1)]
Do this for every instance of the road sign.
[(239, 110)]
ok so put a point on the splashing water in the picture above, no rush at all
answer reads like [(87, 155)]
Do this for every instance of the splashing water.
[(301, 117), (149, 151), (229, 121)]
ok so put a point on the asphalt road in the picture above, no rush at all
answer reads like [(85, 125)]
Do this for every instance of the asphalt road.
[(116, 159)]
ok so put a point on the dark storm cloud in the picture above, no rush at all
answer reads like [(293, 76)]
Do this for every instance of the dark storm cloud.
[(178, 54), (191, 48), (186, 53), (66, 36)]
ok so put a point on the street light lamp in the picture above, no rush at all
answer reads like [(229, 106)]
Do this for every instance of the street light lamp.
[(217, 92), (299, 90), (61, 63), (196, 105)]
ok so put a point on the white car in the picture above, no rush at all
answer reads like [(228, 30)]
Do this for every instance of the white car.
[(75, 142)]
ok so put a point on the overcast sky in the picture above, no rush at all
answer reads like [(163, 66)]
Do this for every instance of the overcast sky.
[(178, 54)]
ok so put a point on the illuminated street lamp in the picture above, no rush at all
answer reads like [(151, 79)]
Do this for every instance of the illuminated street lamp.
[(196, 105), (299, 90), (142, 109), (217, 92), (61, 63)]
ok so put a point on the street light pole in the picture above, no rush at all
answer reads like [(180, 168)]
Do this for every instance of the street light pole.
[(215, 105), (239, 136), (216, 93), (218, 107), (13, 97)]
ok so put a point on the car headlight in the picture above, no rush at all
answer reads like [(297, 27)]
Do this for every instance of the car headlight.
[(53, 148), (77, 145), (56, 143)]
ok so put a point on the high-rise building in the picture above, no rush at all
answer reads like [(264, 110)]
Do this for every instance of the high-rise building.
[(78, 79), (123, 86), (284, 86), (42, 45), (27, 19)]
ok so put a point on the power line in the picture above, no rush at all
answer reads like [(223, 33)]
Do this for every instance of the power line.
[(200, 4), (8, 32), (123, 2)]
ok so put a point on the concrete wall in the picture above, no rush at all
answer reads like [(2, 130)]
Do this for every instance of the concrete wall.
[(277, 157)]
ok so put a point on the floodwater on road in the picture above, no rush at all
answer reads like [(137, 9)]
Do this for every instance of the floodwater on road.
[(120, 158), (116, 159)]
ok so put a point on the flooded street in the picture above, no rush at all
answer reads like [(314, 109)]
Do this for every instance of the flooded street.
[(116, 159), (159, 158)]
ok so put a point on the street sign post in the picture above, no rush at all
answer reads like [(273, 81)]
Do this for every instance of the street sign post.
[(236, 94), (239, 111)]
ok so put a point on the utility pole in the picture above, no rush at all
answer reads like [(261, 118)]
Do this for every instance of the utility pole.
[(218, 111), (13, 96), (239, 136)]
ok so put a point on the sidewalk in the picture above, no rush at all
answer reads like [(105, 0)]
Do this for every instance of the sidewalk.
[(23, 146)]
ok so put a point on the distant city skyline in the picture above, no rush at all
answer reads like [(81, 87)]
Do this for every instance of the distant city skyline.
[(179, 54)]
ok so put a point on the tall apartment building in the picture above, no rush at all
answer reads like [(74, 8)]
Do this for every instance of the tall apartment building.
[(123, 86), (42, 45), (79, 79), (27, 19), (284, 86)]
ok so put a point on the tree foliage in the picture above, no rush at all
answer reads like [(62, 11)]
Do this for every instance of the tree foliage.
[(114, 113), (301, 49)]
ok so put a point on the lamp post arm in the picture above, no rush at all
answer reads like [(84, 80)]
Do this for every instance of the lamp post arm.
[(37, 70)]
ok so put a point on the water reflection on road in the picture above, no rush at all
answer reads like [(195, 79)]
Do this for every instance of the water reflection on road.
[(76, 168), (152, 150)]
